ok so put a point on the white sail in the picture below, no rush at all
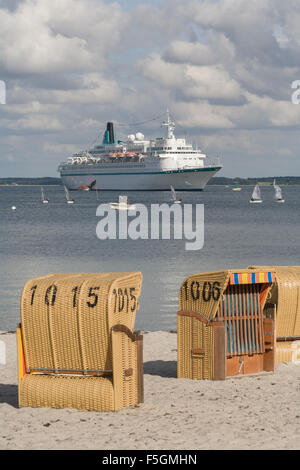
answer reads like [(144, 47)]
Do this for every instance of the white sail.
[(278, 193), (69, 199), (44, 199), (67, 193), (173, 193), (256, 194)]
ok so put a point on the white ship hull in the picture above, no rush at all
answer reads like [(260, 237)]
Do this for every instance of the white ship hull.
[(122, 180)]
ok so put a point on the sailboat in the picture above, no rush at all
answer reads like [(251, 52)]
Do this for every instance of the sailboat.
[(68, 198), (278, 192), (122, 205), (255, 198), (175, 200), (44, 199)]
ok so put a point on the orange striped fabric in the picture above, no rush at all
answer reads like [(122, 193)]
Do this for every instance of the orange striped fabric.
[(252, 278)]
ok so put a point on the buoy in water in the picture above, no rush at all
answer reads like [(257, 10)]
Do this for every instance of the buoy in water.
[(13, 208)]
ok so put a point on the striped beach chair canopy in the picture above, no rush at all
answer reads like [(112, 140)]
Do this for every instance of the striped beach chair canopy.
[(203, 292)]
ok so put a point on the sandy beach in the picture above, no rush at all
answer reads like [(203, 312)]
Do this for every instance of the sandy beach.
[(257, 412)]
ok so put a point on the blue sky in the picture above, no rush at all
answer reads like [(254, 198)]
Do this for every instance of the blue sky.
[(224, 68)]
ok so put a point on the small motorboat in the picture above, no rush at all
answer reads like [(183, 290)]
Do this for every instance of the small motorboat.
[(87, 187), (122, 205)]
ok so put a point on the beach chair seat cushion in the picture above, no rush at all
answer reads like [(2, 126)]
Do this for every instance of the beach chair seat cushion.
[(86, 393)]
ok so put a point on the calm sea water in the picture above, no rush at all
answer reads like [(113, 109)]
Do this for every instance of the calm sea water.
[(39, 239)]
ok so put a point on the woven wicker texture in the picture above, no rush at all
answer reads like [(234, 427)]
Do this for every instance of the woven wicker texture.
[(87, 393), (198, 293), (66, 329), (286, 295), (125, 358), (287, 351), (194, 335), (201, 292), (204, 294)]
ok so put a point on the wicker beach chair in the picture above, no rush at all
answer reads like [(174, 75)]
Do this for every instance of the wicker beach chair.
[(221, 330), (76, 345), (285, 296)]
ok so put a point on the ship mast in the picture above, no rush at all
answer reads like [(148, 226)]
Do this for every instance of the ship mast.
[(170, 125)]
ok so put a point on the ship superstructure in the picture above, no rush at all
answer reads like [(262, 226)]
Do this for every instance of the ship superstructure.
[(139, 164)]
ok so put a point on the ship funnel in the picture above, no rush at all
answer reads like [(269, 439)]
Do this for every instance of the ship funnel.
[(109, 135)]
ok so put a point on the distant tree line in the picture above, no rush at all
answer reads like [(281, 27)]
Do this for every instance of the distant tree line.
[(281, 180), (216, 180), (38, 181)]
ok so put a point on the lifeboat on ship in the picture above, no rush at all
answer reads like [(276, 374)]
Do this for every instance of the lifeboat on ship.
[(87, 187)]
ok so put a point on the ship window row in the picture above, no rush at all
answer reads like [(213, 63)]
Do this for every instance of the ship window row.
[(141, 165), (131, 162), (181, 153), (104, 165), (170, 148)]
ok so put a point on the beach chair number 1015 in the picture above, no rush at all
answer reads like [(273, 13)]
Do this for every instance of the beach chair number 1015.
[(124, 298)]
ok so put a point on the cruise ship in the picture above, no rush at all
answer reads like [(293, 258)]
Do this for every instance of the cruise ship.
[(138, 164)]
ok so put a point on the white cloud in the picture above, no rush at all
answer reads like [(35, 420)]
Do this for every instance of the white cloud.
[(206, 82), (33, 123), (60, 148), (202, 115), (217, 49), (59, 36), (212, 82), (94, 89), (223, 67)]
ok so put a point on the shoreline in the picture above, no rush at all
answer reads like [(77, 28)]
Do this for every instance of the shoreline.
[(24, 185), (230, 185), (254, 412)]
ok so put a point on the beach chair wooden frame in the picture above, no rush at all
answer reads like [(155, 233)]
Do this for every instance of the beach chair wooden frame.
[(221, 329), (76, 344)]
